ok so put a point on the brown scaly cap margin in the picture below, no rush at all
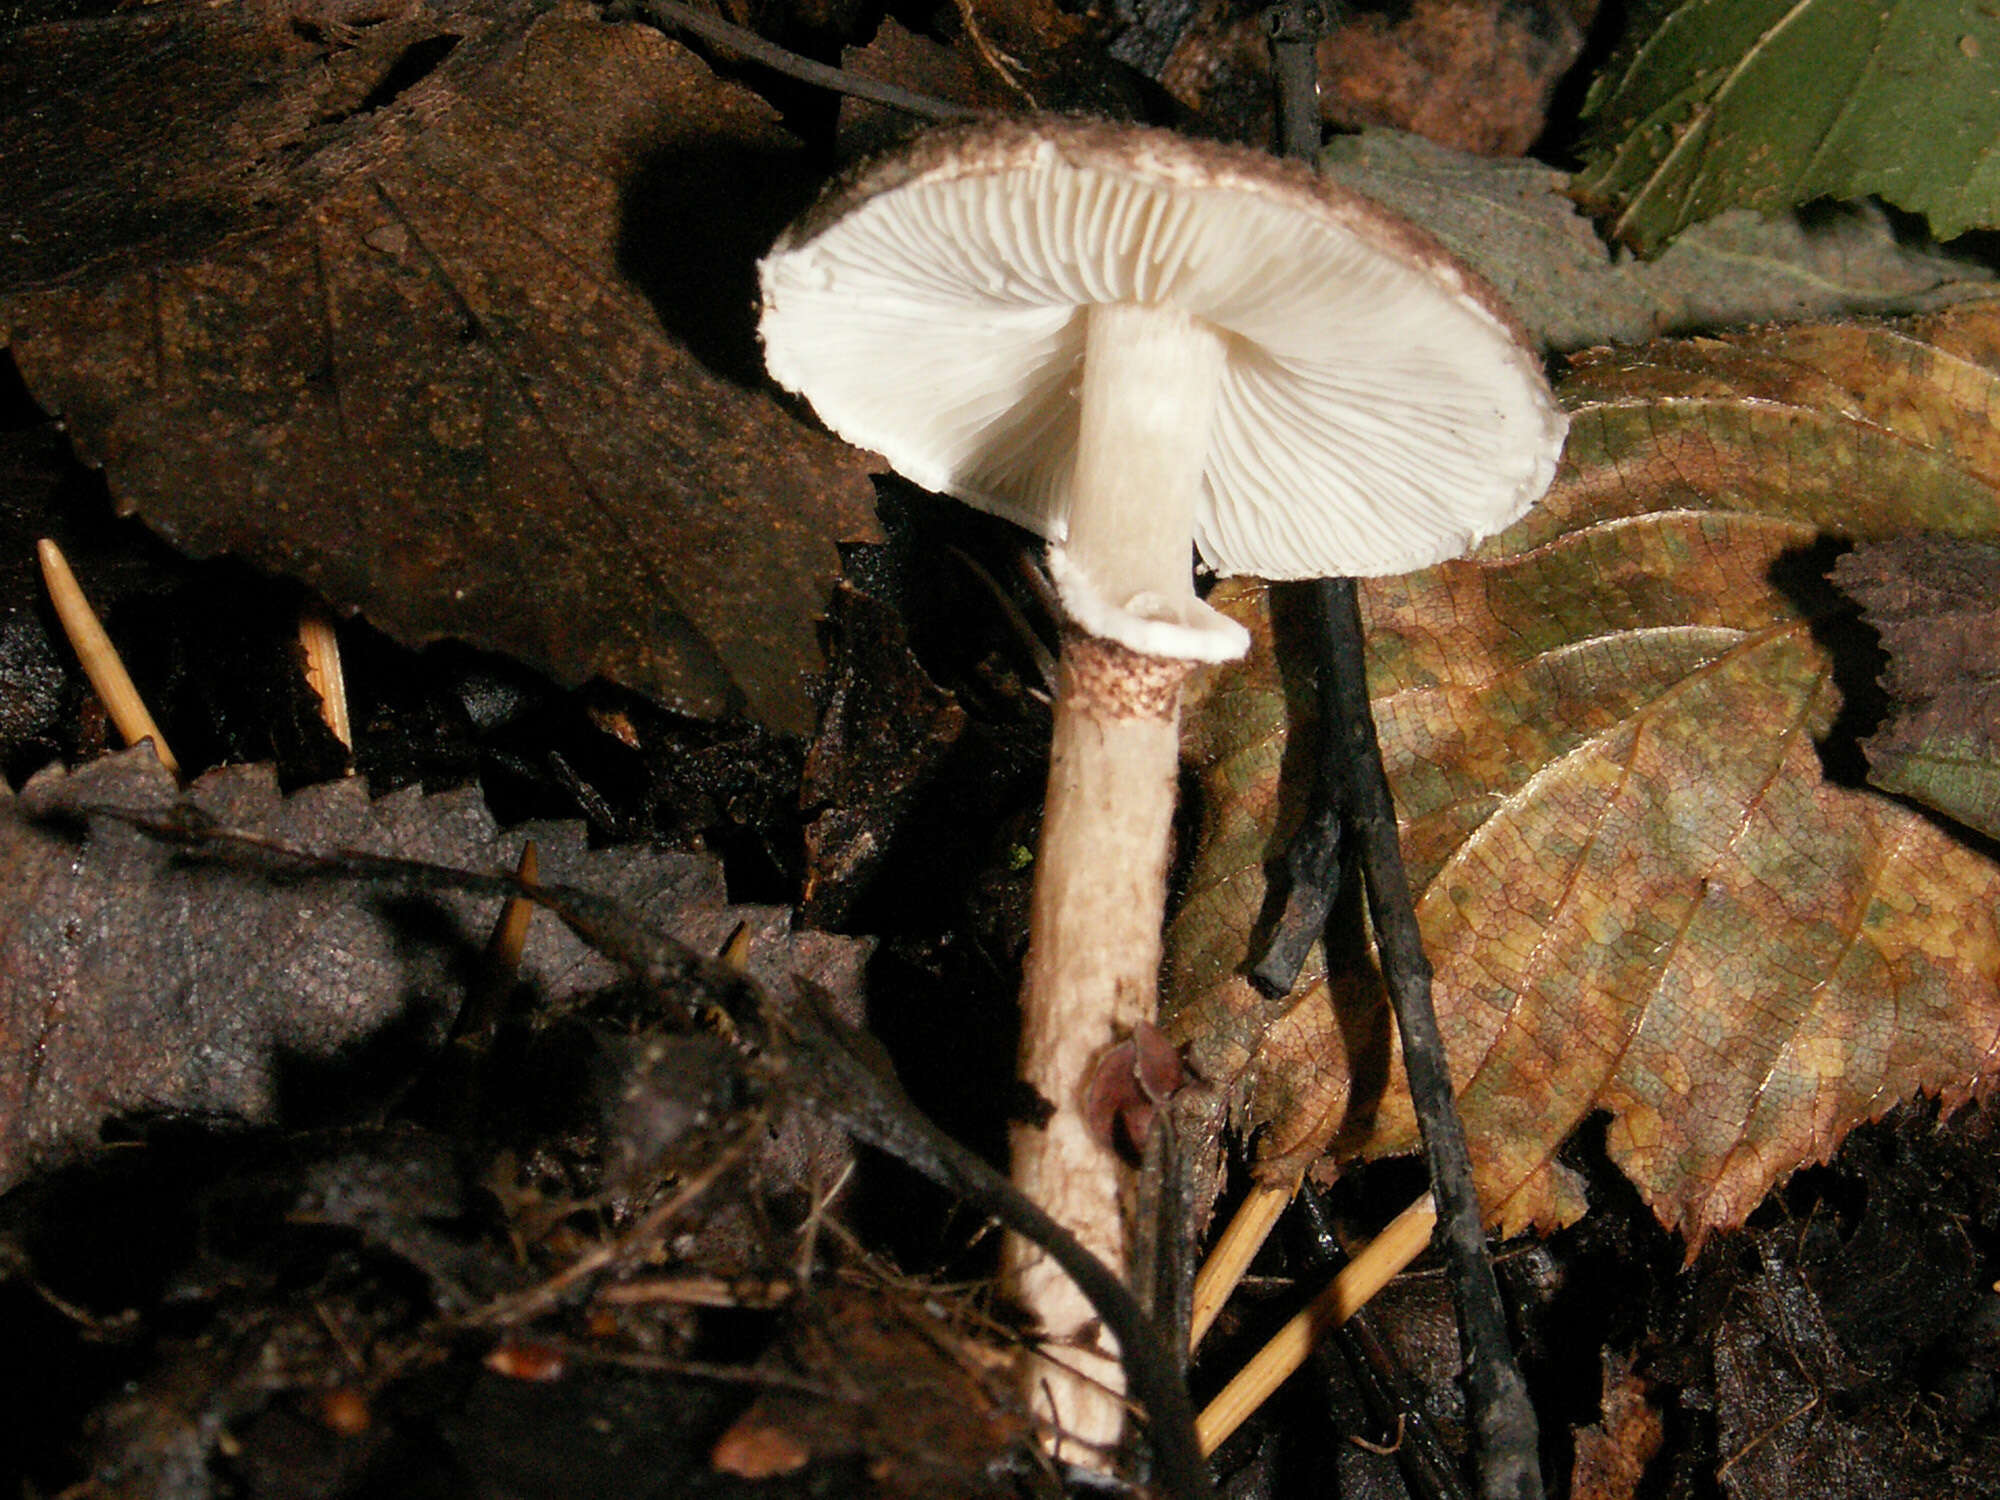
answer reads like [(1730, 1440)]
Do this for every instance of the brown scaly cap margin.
[(1002, 143)]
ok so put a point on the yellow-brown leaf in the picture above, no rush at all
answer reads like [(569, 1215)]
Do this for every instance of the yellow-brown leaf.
[(1607, 734)]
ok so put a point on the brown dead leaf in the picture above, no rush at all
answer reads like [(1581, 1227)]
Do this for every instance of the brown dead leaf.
[(954, 73), (1936, 602), (1612, 1453), (1641, 891), (1474, 74), (373, 295), (134, 981)]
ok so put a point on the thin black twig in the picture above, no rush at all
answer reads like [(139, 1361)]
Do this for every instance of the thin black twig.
[(1318, 856), (1496, 1395), (1507, 1439), (671, 15)]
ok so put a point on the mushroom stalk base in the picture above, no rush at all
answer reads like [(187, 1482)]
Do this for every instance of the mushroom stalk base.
[(1092, 975)]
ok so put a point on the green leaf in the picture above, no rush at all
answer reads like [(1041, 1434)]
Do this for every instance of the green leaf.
[(1716, 104)]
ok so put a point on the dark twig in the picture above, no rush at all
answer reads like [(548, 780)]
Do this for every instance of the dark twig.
[(1502, 1417), (671, 15), (1497, 1396), (1294, 28), (1315, 861)]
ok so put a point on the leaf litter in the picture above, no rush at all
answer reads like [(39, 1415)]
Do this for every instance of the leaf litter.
[(1648, 879), (1715, 104), (496, 1428), (380, 305), (137, 983), (173, 978), (1936, 603)]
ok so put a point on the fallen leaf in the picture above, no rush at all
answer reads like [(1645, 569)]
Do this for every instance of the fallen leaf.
[(1475, 74), (953, 74), (133, 981), (382, 307), (1641, 891), (1714, 104), (1782, 1427), (1612, 1452), (1514, 222), (1471, 74), (1937, 604)]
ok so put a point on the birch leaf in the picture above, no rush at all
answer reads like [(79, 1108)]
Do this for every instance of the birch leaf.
[(1608, 734)]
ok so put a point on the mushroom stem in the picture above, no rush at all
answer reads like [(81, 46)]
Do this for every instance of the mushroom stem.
[(1151, 379), (1150, 384), (1091, 976)]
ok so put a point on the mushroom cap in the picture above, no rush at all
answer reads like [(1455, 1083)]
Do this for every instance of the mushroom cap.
[(1379, 411)]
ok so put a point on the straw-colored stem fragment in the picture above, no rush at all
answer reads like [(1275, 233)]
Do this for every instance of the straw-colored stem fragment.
[(99, 658), (1224, 1269), (510, 933), (1360, 1279), (323, 674)]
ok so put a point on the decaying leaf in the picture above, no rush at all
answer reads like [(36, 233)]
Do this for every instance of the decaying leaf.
[(1937, 604), (133, 981), (374, 296), (1473, 74), (1641, 891), (1715, 104), (1612, 1453), (1514, 222)]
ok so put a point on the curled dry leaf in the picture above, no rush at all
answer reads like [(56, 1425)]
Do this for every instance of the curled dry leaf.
[(1641, 891), (135, 981), (373, 295), (1936, 602)]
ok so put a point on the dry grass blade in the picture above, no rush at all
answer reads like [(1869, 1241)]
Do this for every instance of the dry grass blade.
[(1379, 1262), (321, 646), (510, 932), (99, 658), (1224, 1269)]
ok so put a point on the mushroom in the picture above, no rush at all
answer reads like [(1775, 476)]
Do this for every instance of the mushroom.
[(1142, 347)]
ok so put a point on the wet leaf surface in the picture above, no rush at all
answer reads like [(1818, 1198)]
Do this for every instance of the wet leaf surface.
[(1714, 104), (136, 983), (444, 310), (1937, 605), (1647, 877)]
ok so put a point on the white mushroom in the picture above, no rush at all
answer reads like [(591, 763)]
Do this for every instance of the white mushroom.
[(1142, 347)]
